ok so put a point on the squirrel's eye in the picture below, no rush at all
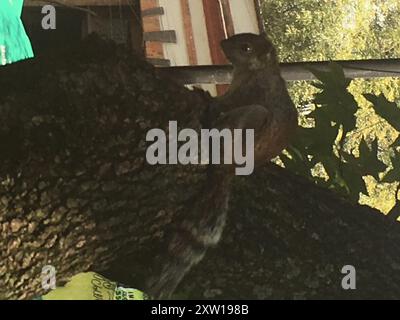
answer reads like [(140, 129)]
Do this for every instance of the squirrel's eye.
[(246, 48)]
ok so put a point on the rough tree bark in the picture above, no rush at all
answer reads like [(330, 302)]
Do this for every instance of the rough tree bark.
[(76, 193)]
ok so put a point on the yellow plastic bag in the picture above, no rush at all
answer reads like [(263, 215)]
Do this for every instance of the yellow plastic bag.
[(93, 286)]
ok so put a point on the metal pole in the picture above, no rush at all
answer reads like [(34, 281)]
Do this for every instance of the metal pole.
[(290, 71)]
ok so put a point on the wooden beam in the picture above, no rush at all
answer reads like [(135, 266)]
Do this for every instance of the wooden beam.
[(216, 32), (159, 62), (188, 30), (136, 28), (290, 71), (168, 36), (156, 11), (228, 19)]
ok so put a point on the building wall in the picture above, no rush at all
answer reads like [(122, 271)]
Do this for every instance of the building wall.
[(187, 19), (244, 16), (201, 38), (154, 50), (177, 52), (196, 27)]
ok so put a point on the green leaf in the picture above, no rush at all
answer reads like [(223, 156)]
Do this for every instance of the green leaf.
[(354, 180), (324, 76), (318, 85), (334, 77), (337, 104), (386, 109), (394, 174), (396, 143), (369, 163)]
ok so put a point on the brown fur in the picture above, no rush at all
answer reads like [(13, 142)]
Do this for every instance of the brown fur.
[(257, 99)]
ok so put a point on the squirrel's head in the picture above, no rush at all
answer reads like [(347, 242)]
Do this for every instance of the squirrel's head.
[(250, 51)]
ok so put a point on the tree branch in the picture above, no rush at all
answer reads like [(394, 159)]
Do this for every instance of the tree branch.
[(76, 193)]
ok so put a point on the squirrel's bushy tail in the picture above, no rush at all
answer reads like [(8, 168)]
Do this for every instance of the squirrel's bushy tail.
[(200, 229)]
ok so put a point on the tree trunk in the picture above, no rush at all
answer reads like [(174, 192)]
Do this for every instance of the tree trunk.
[(77, 193)]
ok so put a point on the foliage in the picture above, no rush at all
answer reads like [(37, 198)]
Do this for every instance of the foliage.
[(349, 140), (324, 144), (333, 29)]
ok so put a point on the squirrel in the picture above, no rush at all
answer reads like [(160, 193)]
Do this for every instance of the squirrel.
[(257, 99)]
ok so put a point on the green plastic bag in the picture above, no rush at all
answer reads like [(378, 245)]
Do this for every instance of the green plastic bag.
[(14, 42)]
